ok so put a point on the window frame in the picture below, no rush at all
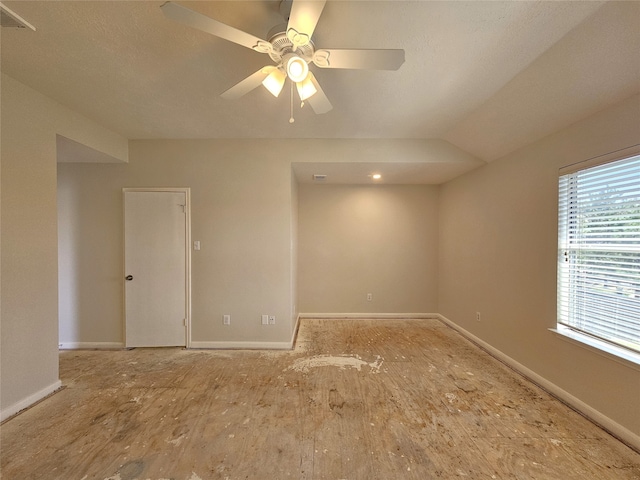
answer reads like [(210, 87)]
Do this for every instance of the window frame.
[(628, 356)]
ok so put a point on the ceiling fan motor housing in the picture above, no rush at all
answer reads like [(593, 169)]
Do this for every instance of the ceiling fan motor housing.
[(282, 45)]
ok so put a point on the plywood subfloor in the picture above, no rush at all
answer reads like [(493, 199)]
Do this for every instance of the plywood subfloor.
[(356, 399)]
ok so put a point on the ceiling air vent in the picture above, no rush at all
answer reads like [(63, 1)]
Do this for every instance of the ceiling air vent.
[(10, 19), (319, 177)]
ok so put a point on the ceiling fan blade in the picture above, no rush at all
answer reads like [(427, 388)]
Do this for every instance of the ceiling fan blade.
[(248, 84), (303, 20), (199, 21), (359, 59), (319, 101)]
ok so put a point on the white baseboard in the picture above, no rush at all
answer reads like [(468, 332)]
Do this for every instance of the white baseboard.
[(243, 345), (90, 345), (30, 400), (614, 428), (294, 334), (372, 316)]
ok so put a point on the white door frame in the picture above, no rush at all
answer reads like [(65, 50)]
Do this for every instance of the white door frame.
[(187, 256)]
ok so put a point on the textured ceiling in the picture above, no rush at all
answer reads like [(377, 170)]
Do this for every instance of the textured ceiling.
[(488, 77)]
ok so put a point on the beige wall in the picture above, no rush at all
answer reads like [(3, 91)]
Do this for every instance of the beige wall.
[(363, 239), (29, 264), (244, 213), (498, 248), (241, 212)]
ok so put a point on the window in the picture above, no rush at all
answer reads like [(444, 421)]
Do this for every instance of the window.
[(599, 252)]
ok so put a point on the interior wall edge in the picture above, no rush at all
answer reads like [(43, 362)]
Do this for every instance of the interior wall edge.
[(623, 434), (296, 327), (70, 151), (27, 402)]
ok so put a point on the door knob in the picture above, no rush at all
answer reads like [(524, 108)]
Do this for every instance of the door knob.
[(129, 277)]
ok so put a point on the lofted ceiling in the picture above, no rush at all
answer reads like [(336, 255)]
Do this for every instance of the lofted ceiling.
[(486, 77)]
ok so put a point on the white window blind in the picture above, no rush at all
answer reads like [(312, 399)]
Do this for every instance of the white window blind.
[(599, 252)]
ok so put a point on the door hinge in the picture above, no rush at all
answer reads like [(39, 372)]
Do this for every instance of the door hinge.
[(184, 322)]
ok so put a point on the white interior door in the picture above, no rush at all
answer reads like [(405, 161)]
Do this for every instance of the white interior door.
[(155, 238)]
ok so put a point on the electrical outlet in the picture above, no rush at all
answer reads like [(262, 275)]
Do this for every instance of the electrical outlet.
[(272, 319), (369, 297), (265, 319), (478, 316), (226, 319)]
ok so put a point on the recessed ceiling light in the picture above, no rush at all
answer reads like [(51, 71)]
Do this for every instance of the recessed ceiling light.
[(376, 176)]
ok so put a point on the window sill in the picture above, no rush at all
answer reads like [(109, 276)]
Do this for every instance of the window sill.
[(605, 349)]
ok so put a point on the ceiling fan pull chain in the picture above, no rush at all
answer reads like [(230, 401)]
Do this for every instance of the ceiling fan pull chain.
[(291, 120)]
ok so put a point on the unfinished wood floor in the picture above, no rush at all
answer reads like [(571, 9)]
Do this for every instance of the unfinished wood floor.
[(356, 399)]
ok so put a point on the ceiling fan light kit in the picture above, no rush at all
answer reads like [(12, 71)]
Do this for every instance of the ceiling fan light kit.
[(291, 47)]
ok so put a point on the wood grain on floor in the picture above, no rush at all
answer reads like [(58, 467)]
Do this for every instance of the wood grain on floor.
[(356, 399)]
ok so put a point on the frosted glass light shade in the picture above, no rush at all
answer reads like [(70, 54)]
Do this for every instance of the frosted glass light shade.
[(297, 68), (306, 89), (275, 82)]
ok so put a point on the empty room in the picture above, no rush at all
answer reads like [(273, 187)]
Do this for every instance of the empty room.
[(320, 240)]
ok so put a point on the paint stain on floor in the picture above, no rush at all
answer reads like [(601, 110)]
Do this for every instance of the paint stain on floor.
[(341, 361)]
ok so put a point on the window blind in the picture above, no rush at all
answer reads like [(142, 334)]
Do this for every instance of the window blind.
[(599, 252)]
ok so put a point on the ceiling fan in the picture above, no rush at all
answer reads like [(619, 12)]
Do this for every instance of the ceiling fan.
[(292, 49)]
